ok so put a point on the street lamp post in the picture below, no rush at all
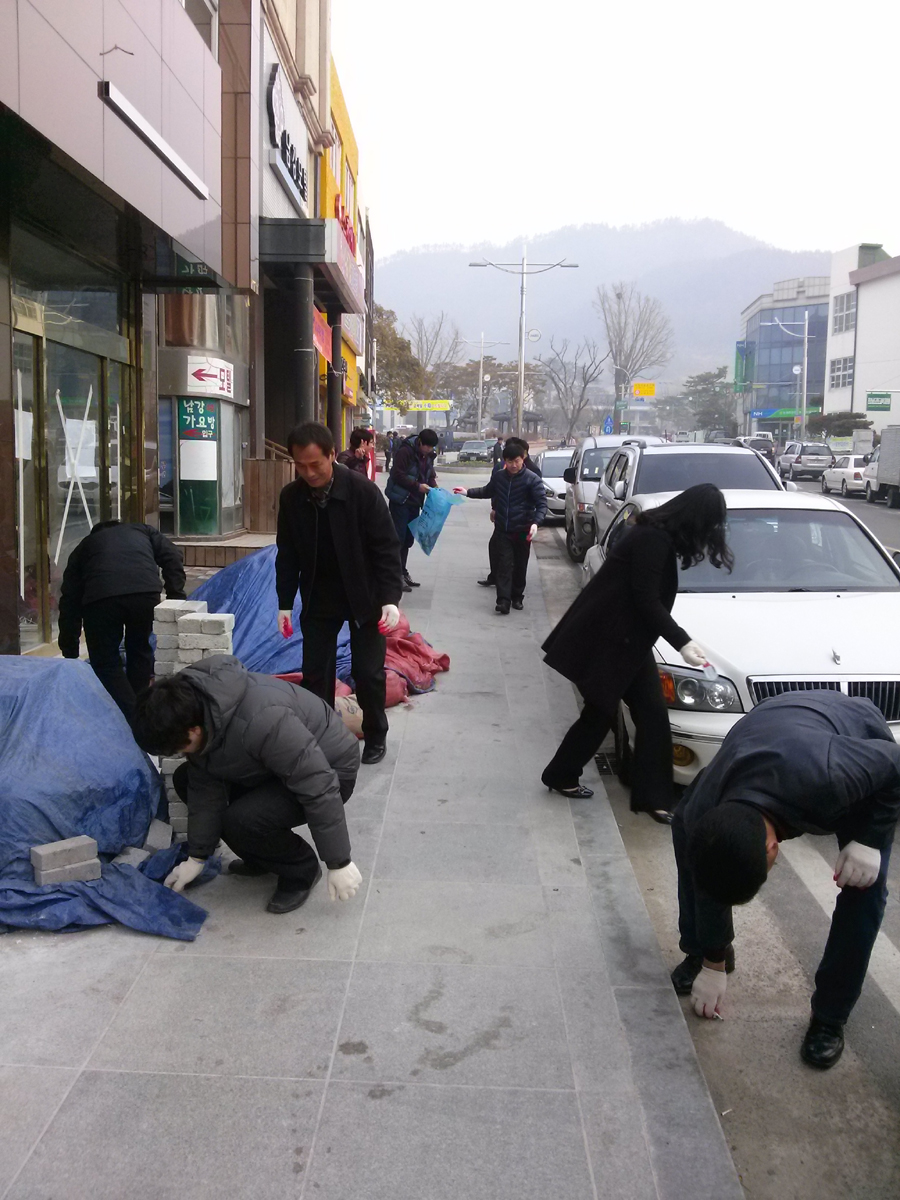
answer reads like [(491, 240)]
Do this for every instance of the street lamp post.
[(522, 269), (490, 346)]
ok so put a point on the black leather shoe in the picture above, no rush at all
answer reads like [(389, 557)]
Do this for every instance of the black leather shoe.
[(502, 607), (373, 752), (686, 972), (486, 582), (288, 896), (406, 586), (239, 866), (410, 582), (518, 605), (823, 1044)]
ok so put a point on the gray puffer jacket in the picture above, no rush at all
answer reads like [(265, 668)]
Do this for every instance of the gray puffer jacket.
[(259, 728)]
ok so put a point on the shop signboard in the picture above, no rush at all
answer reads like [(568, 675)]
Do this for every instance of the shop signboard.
[(428, 406), (209, 377), (321, 335), (643, 391), (878, 401), (286, 158), (198, 465)]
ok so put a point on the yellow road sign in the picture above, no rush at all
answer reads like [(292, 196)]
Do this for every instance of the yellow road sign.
[(428, 406), (643, 390)]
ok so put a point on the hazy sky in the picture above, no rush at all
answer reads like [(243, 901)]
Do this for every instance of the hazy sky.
[(489, 119)]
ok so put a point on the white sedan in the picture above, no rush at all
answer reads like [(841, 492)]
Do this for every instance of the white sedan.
[(810, 593), (846, 475)]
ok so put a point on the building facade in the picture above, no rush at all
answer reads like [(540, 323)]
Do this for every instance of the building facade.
[(876, 378)]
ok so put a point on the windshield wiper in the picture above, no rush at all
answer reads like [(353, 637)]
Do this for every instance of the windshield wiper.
[(799, 589)]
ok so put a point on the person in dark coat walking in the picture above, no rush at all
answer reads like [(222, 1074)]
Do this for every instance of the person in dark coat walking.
[(604, 643), (263, 756), (388, 450), (803, 762), (356, 457), (519, 504), (111, 586), (411, 479), (336, 541), (530, 465), (497, 453)]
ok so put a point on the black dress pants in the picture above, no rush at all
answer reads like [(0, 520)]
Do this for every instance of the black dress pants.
[(320, 635), (259, 827), (651, 762), (401, 515), (508, 553), (105, 623)]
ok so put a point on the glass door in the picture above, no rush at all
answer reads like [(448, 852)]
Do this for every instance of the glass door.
[(31, 591)]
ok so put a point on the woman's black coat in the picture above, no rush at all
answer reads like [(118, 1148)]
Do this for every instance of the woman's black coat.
[(612, 626)]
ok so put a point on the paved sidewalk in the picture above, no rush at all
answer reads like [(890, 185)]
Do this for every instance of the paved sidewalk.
[(490, 1019)]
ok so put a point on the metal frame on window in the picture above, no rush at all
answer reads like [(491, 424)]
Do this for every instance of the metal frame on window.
[(844, 313), (840, 373)]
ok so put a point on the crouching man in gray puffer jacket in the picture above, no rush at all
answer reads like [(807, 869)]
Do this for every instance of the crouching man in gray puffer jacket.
[(263, 756)]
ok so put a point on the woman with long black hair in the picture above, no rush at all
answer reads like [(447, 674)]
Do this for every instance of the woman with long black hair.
[(604, 643)]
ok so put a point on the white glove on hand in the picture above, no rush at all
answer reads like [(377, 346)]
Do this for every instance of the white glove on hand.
[(531, 532), (708, 992), (390, 618), (857, 866), (185, 873), (343, 884), (693, 655), (285, 622)]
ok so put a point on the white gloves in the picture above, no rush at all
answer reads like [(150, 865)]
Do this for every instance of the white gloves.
[(185, 873), (285, 623), (708, 992), (531, 532), (460, 491), (343, 884), (693, 655), (857, 866), (390, 618)]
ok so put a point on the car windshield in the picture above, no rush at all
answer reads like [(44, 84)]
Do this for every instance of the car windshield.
[(777, 550), (474, 445), (815, 448), (673, 472), (552, 468), (759, 444), (595, 462)]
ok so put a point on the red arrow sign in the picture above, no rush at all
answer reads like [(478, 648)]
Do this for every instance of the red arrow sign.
[(202, 374)]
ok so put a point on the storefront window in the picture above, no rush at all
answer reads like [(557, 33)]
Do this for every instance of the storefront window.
[(166, 465), (30, 617), (193, 319)]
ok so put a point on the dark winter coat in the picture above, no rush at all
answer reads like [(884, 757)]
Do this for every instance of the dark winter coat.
[(497, 453), (364, 540), (259, 728), (813, 762), (410, 468), (612, 626), (115, 560), (519, 501), (348, 459)]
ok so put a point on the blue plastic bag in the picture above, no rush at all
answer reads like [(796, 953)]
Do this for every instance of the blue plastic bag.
[(427, 526)]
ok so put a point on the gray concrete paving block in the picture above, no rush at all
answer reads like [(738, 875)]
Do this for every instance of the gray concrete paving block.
[(166, 654), (168, 766), (217, 623), (121, 1135), (454, 1024), (597, 1042), (393, 1142), (28, 1098), (166, 641), (246, 1017), (630, 946), (614, 1129), (464, 853), (52, 855), (80, 872), (168, 611), (159, 836), (131, 856), (164, 668)]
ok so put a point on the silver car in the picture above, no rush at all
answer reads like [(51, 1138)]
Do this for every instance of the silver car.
[(804, 458), (551, 464)]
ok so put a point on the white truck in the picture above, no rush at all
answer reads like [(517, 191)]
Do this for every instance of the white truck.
[(882, 474)]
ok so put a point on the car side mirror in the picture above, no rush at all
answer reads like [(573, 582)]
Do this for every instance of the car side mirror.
[(619, 490), (790, 486), (569, 475), (867, 458)]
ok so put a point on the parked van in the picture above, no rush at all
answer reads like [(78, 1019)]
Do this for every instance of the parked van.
[(582, 478)]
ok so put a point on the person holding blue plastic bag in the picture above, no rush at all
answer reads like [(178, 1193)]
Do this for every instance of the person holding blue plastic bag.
[(412, 478), (426, 528), (520, 505)]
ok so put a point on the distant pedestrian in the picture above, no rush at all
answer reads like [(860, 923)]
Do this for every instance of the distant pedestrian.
[(411, 479), (356, 457), (111, 586), (388, 451), (803, 762), (604, 643), (519, 503), (336, 542), (497, 453)]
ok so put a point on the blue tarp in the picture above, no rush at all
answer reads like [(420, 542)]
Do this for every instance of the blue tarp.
[(247, 589), (69, 766)]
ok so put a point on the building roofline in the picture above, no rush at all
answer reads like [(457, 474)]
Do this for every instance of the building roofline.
[(889, 266)]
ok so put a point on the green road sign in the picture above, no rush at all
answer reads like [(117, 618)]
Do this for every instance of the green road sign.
[(878, 401)]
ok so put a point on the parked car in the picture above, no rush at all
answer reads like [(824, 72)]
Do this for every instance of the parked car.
[(763, 446), (846, 476), (804, 458), (552, 464), (475, 451), (882, 474), (639, 469), (582, 477), (809, 578)]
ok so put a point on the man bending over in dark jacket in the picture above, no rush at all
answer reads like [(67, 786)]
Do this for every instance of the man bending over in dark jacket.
[(111, 586), (263, 756), (802, 762)]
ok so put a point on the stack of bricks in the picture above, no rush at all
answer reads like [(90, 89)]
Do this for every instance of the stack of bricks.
[(69, 861), (186, 633), (177, 808)]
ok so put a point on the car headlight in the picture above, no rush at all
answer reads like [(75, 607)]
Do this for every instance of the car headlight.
[(688, 691), (549, 491)]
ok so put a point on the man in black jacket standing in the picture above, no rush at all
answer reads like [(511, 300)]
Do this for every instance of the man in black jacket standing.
[(411, 479), (263, 756), (110, 587), (520, 504), (803, 762), (336, 541)]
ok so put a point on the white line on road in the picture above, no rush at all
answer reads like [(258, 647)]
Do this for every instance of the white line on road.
[(813, 869)]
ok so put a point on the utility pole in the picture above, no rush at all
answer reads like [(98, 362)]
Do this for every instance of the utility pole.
[(805, 364), (490, 345)]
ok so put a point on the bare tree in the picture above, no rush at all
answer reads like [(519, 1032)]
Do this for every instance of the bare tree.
[(638, 333), (571, 377)]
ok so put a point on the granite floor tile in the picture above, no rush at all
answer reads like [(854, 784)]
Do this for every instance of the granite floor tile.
[(29, 1096), (390, 1142), (630, 945), (159, 1137), (597, 1041), (614, 1127), (491, 1026), (228, 1016), (456, 923), (464, 853)]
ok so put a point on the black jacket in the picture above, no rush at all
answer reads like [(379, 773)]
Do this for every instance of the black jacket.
[(813, 762), (115, 560), (364, 540), (348, 459), (407, 472), (611, 627), (519, 501), (260, 729)]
